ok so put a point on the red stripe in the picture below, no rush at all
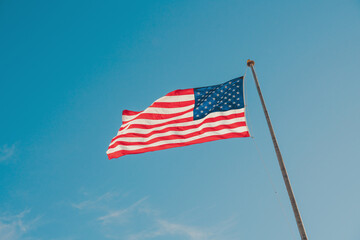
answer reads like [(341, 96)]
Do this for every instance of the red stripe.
[(168, 104), (129, 113), (180, 128), (176, 128), (181, 92), (172, 145), (143, 126), (156, 116), (176, 136), (172, 104), (182, 120)]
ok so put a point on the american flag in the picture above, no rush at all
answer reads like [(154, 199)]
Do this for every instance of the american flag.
[(183, 117)]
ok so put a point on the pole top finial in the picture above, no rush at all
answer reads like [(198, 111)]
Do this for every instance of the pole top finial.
[(250, 63)]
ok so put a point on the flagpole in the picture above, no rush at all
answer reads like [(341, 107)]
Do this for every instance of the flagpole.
[(299, 222)]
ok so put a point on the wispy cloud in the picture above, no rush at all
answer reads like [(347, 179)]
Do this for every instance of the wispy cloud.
[(6, 152), (120, 215), (96, 203), (175, 228), (166, 228), (123, 222), (13, 227)]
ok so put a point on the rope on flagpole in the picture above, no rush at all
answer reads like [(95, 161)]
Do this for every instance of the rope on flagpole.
[(268, 174), (260, 156), (282, 207), (285, 175)]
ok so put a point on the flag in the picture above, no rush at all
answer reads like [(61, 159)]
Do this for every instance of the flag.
[(183, 117)]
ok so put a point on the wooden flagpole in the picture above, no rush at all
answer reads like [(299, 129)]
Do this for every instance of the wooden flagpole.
[(299, 222)]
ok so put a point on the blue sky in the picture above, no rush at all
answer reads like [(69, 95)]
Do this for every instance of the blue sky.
[(69, 68)]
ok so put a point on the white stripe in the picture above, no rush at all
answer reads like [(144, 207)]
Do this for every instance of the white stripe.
[(149, 122), (184, 132), (190, 123), (155, 121), (178, 98), (126, 118), (157, 110), (207, 134)]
